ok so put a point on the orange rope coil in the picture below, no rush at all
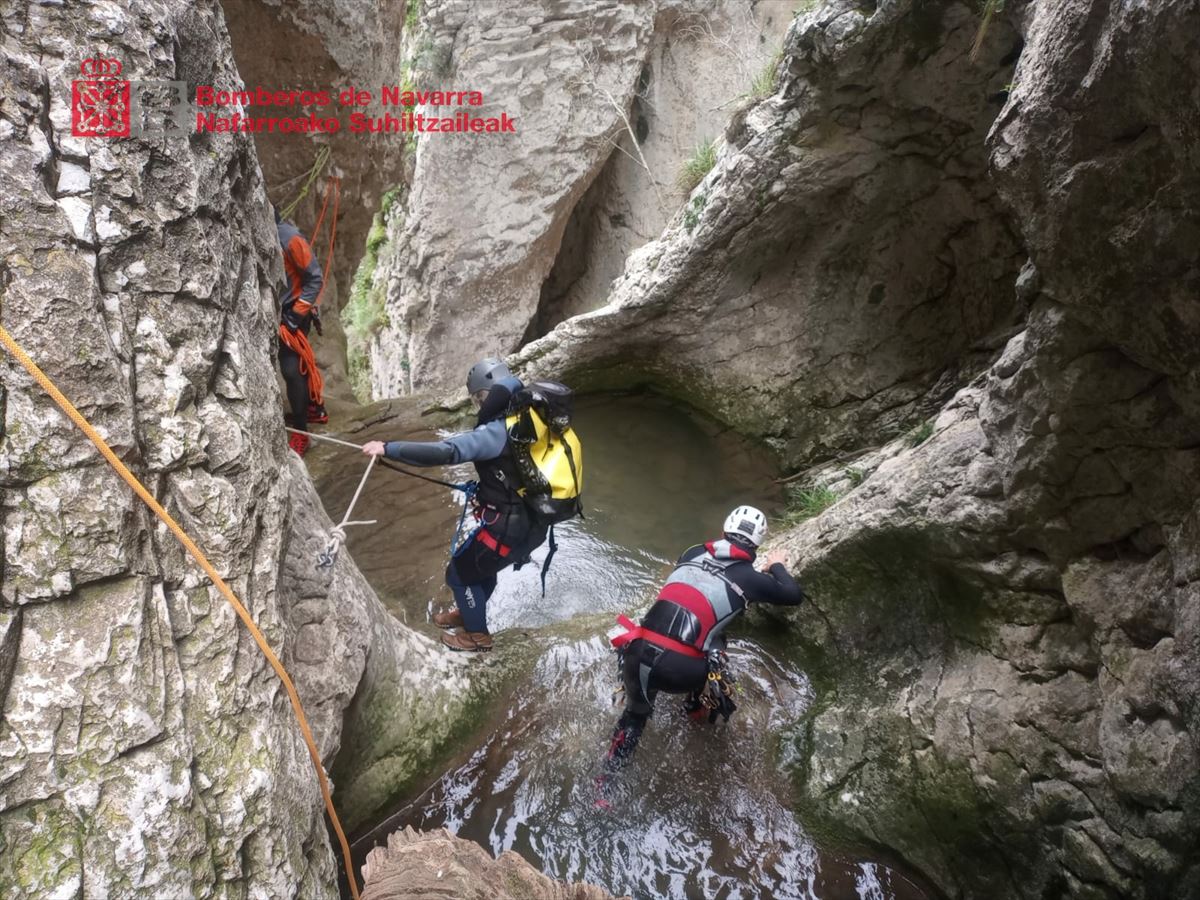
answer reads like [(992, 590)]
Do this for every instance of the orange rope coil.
[(298, 344)]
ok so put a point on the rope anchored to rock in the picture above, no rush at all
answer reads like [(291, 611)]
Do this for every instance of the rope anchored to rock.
[(337, 536), (464, 486)]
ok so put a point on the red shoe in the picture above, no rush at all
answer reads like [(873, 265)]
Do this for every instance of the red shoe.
[(317, 414), (604, 792), (298, 442)]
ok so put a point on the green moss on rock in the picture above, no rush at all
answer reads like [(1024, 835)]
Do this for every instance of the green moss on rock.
[(365, 314)]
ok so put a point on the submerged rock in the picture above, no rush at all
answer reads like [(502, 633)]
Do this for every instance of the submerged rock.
[(437, 864)]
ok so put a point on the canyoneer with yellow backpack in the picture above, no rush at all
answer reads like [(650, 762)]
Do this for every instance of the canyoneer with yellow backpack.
[(529, 463)]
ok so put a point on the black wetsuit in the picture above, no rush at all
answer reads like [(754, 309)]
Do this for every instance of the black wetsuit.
[(507, 531), (710, 587)]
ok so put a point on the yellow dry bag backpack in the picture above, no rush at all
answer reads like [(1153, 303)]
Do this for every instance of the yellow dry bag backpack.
[(547, 451)]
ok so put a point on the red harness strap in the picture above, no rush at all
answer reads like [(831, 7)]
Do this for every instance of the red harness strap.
[(634, 632), (489, 540)]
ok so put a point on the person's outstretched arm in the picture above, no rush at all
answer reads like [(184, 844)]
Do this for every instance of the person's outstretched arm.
[(485, 442), (774, 585)]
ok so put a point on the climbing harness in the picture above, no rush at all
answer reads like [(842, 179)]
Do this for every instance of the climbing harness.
[(463, 532), (218, 582), (634, 632), (719, 687), (337, 536)]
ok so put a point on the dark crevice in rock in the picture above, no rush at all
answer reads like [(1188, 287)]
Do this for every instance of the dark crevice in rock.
[(10, 643), (578, 251)]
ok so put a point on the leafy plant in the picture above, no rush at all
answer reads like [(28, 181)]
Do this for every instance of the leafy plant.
[(385, 204), (691, 215), (411, 13), (806, 503), (919, 435), (696, 166)]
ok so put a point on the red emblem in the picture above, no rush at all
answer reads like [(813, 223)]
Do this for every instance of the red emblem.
[(100, 102)]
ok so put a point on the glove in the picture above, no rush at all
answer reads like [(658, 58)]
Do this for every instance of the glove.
[(292, 320), (316, 320)]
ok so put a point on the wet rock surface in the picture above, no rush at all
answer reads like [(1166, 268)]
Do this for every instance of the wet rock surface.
[(846, 263), (1004, 637)]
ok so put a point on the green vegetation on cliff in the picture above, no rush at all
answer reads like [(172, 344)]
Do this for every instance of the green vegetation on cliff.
[(365, 314), (696, 166)]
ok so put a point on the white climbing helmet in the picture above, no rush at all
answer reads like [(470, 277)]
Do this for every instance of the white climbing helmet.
[(748, 522)]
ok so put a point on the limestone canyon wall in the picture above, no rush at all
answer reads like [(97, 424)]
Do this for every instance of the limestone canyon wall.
[(1007, 615), (499, 238), (845, 263), (146, 748)]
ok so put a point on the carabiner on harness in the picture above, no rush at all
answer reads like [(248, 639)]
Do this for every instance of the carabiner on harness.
[(719, 687)]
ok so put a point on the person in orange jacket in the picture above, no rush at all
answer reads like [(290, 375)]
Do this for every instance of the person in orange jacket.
[(299, 312)]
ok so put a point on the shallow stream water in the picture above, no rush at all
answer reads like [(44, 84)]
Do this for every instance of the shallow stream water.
[(703, 811)]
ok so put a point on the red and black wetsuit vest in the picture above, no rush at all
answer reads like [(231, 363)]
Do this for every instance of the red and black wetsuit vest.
[(695, 605)]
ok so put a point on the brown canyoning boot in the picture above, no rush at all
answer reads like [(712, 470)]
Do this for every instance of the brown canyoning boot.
[(468, 641), (450, 619)]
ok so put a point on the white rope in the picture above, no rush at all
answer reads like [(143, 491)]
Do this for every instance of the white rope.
[(337, 536), (323, 437)]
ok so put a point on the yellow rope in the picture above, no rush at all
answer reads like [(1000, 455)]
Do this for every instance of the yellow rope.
[(77, 417), (318, 164)]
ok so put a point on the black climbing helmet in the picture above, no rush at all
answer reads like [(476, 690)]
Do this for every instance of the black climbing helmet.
[(485, 373)]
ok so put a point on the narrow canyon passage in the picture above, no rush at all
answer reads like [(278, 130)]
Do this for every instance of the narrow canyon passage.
[(705, 810)]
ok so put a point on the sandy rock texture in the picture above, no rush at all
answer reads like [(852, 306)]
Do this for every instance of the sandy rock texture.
[(438, 864)]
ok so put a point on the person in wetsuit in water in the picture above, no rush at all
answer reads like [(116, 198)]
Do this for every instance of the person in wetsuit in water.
[(508, 532), (682, 638)]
